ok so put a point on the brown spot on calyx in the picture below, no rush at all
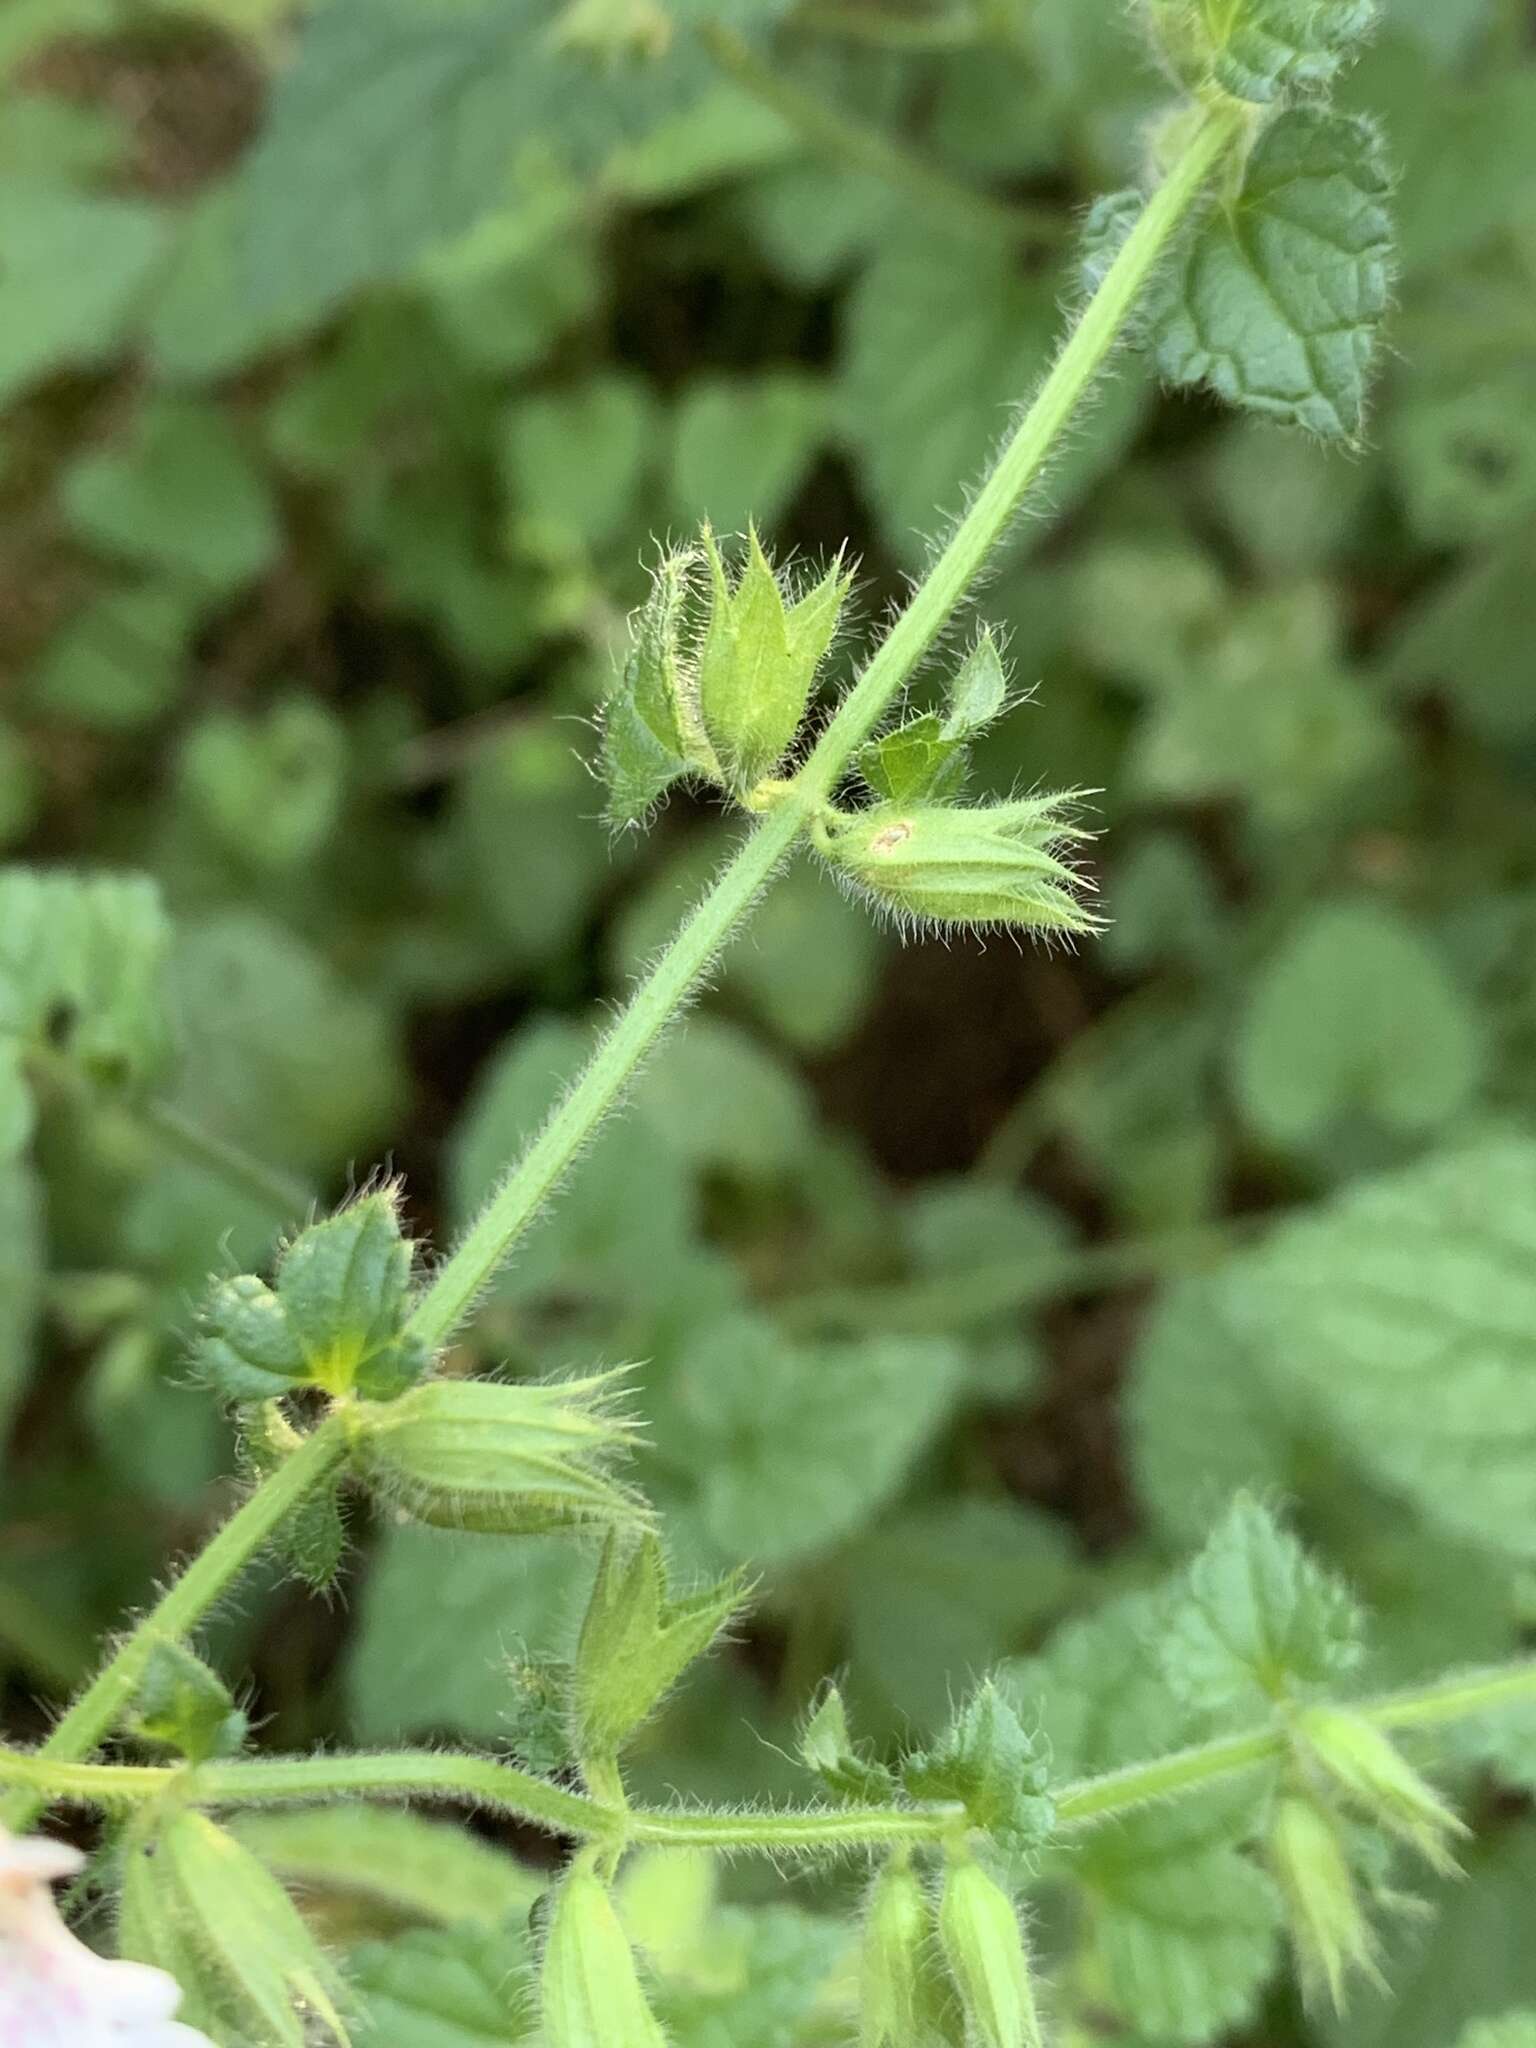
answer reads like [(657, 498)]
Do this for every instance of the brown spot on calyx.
[(890, 837)]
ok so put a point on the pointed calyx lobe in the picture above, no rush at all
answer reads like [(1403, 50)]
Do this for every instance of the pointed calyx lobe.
[(720, 670)]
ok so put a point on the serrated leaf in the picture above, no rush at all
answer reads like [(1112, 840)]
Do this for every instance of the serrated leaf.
[(987, 1761), (344, 1285), (827, 1748), (1275, 299), (1182, 1930), (1403, 1311), (1254, 1617), (401, 1862), (1262, 49), (82, 970), (335, 1317), (410, 120), (180, 1701), (915, 761), (788, 1448), (444, 1988), (1355, 1013)]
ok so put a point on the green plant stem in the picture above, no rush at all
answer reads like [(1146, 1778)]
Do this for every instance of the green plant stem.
[(1000, 1288), (1451, 1699), (462, 1278), (184, 1603), (270, 1186), (483, 1782), (833, 133), (992, 511)]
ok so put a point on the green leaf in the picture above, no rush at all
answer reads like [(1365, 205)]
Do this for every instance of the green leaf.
[(269, 788), (334, 1319), (182, 1703), (1208, 1414), (939, 1593), (459, 1988), (718, 1098), (281, 1054), (573, 460), (120, 660), (82, 971), (1261, 49), (179, 493), (410, 120), (998, 1772), (1403, 1311), (1275, 299), (946, 333), (72, 269), (401, 1863), (787, 1449), (978, 690), (23, 1265), (1181, 1929), (1353, 1015), (624, 1225), (199, 1905), (915, 761), (742, 445), (646, 745), (1254, 1617), (827, 1748), (439, 1617), (637, 1640)]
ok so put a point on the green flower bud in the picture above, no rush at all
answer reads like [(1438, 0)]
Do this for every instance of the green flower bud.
[(652, 731), (1329, 1930), (904, 2001), (588, 1986), (758, 659), (476, 1454), (984, 1947), (636, 1642), (977, 865), (1378, 1778), (198, 1904)]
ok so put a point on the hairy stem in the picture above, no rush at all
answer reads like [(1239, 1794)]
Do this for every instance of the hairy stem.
[(481, 1781), (183, 1604), (602, 1083), (992, 511)]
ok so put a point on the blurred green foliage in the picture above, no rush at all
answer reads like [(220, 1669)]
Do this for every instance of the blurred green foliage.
[(353, 358)]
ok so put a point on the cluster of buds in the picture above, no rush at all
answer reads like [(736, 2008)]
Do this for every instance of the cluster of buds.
[(960, 1974), (720, 671)]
